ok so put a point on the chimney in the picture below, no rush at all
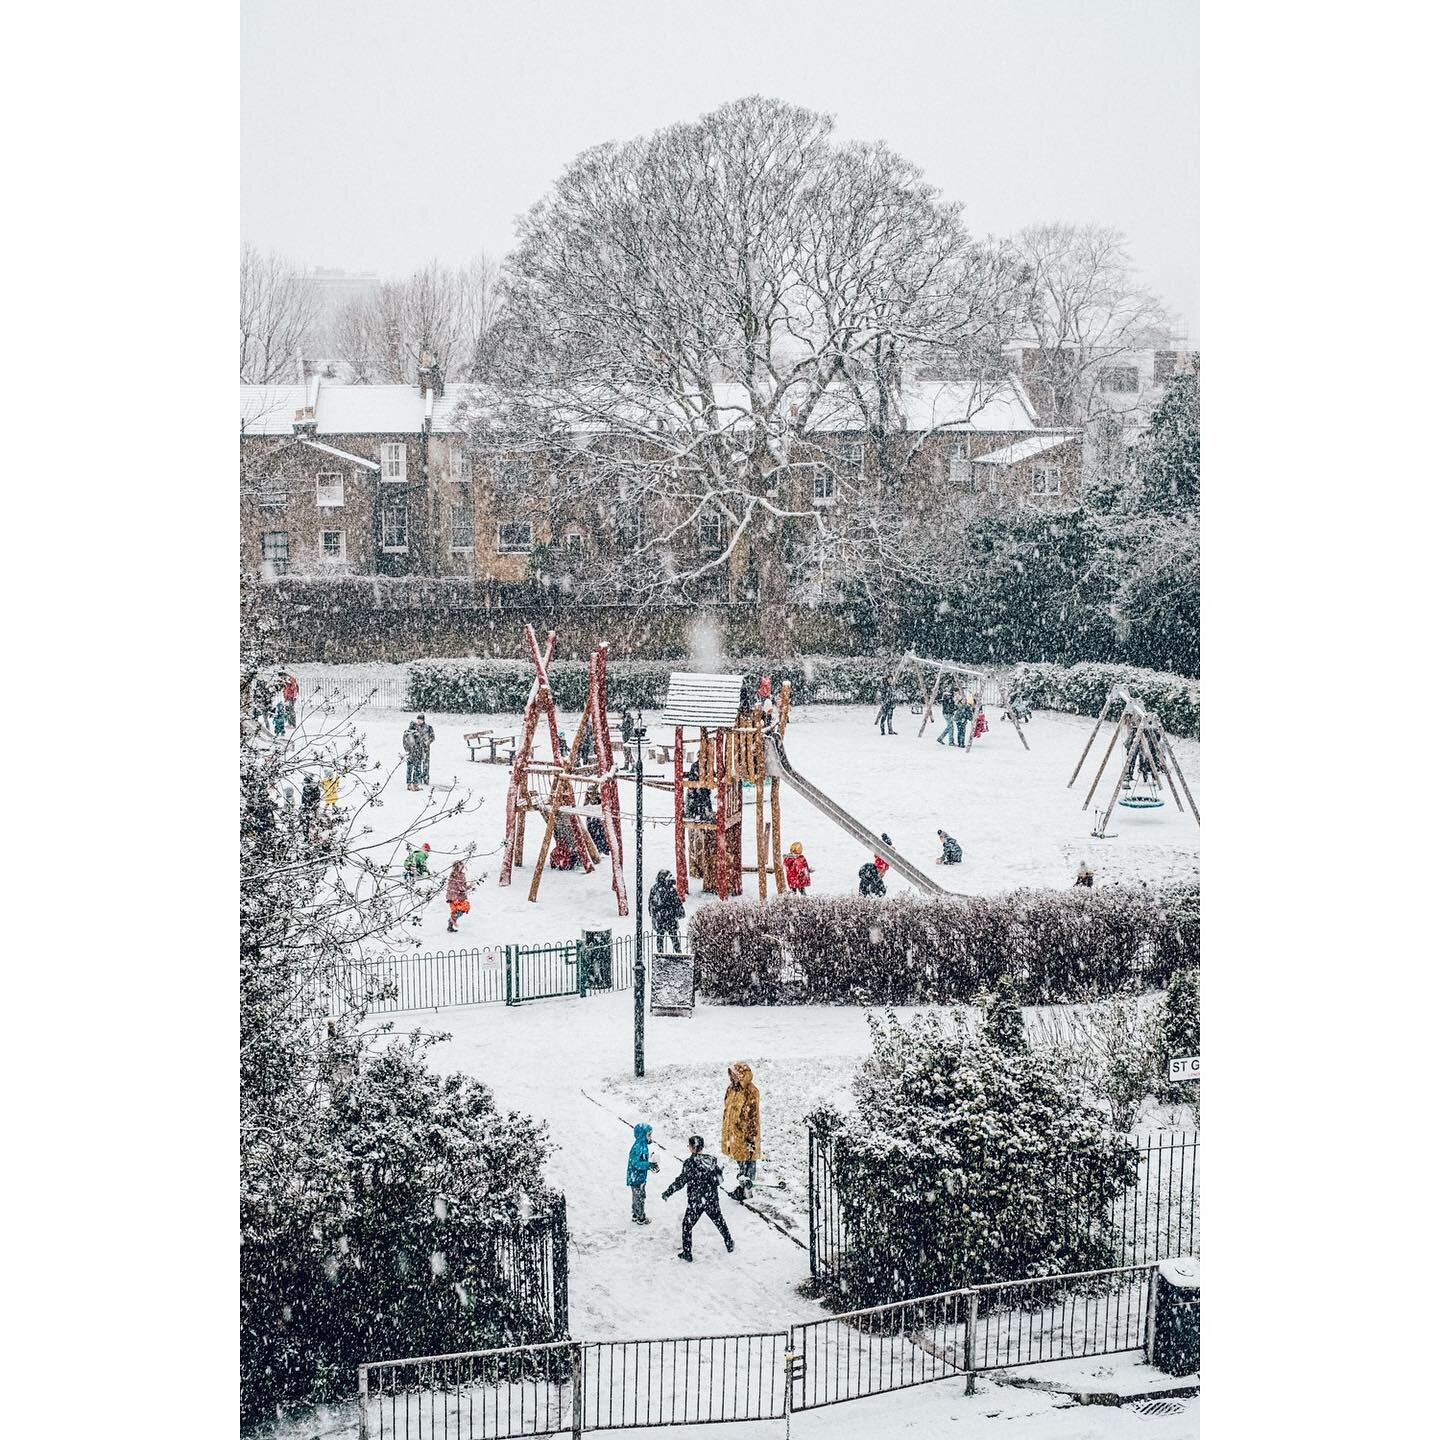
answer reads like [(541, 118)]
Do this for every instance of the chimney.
[(431, 379), (305, 421)]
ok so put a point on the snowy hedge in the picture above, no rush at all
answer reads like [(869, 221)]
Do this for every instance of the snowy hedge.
[(1057, 946), (487, 687), (1081, 690)]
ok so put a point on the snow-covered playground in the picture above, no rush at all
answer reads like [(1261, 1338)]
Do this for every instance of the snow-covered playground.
[(1010, 808)]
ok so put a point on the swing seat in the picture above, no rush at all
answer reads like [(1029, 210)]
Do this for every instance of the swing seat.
[(1141, 802), (916, 707)]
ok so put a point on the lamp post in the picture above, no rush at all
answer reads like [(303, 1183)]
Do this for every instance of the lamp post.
[(639, 734)]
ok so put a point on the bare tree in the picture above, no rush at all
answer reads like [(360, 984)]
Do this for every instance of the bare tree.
[(438, 311), (1083, 309), (279, 308), (689, 314)]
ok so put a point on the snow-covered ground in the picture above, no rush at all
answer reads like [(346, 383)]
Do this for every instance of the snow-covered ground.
[(1009, 808)]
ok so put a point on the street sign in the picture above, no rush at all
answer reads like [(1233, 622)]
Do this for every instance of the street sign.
[(1185, 1067)]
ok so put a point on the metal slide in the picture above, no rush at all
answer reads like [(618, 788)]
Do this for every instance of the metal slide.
[(848, 823)]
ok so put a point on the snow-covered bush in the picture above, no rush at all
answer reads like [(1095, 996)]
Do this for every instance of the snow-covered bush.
[(966, 1163), (1056, 946), (1177, 1033), (1081, 690)]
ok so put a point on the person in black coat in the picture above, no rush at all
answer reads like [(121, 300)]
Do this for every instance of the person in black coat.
[(700, 1175), (667, 910), (886, 696), (950, 851), (594, 824), (870, 881)]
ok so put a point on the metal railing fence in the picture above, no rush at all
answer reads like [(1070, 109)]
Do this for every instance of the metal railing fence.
[(1156, 1217), (584, 1386)]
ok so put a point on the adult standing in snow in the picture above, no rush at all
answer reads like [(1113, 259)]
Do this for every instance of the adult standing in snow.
[(947, 709), (667, 910), (289, 693), (886, 696), (457, 893), (964, 714), (740, 1128), (264, 698), (410, 745), (425, 734), (700, 1175), (637, 1172)]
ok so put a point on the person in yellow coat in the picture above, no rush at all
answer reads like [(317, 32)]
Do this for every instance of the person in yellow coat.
[(740, 1128), (330, 787)]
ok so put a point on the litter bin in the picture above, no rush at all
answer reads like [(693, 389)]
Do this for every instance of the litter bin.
[(598, 948), (1177, 1317)]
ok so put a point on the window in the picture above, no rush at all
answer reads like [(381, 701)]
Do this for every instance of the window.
[(712, 535), (332, 546), (275, 550), (1045, 479), (1122, 378), (515, 538), (329, 490), (462, 526), (852, 456), (394, 527), (824, 486), (961, 474), (274, 492), (575, 543), (392, 460)]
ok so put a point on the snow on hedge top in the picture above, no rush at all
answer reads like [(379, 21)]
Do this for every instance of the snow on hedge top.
[(695, 699)]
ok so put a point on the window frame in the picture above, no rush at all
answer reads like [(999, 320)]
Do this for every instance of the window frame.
[(388, 454), (273, 492), (509, 484), (457, 544), (1039, 473), (574, 543), (281, 563), (334, 477), (852, 457), (501, 548), (339, 557), (823, 489), (1107, 379), (388, 545), (703, 523)]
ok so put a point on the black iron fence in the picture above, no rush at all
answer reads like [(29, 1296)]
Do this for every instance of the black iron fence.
[(630, 1384), (1156, 1217), (483, 975)]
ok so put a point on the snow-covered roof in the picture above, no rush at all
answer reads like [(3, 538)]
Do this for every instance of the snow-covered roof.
[(345, 409), (958, 405), (1026, 449), (341, 454)]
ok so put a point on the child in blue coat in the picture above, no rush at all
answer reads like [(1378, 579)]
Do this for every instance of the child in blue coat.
[(637, 1171)]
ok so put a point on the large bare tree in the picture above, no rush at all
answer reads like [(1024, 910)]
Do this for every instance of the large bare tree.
[(279, 309), (1084, 308), (687, 313), (446, 313)]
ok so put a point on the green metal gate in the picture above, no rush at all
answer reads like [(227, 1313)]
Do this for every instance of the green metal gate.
[(541, 972)]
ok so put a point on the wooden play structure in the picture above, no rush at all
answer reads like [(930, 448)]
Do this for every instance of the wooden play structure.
[(551, 787), (717, 750), (1149, 759), (931, 674)]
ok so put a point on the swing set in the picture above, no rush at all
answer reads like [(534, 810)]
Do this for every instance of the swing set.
[(1149, 758), (931, 674)]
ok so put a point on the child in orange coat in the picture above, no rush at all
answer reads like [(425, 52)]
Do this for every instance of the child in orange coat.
[(797, 869), (457, 893)]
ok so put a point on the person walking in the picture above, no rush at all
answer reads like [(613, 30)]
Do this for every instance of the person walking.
[(637, 1172), (947, 709), (886, 696), (289, 693), (797, 869), (700, 1175), (667, 910), (870, 881), (950, 851), (457, 893), (740, 1127)]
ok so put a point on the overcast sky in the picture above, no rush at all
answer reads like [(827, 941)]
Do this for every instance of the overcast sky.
[(377, 135)]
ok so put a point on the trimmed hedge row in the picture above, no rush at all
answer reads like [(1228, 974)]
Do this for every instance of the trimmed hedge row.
[(1081, 690), (1057, 946), (487, 687)]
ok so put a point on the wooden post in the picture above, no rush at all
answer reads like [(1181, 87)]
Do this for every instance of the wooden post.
[(760, 875), (930, 703), (1174, 760), (1005, 701), (1104, 761), (1125, 771), (775, 842), (1079, 764), (722, 846), (1159, 769)]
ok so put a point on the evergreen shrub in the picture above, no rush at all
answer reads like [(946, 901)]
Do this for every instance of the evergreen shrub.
[(1056, 946), (1081, 690)]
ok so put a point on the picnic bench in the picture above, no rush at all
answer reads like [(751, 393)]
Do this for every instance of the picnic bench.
[(500, 748)]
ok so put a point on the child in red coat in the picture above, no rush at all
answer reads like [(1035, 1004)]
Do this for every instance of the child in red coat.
[(797, 869)]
